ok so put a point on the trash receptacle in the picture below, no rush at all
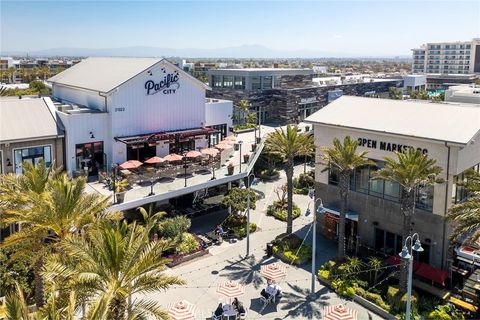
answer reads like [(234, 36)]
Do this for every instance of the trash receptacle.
[(269, 249)]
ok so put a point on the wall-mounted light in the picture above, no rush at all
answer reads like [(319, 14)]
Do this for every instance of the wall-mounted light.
[(91, 135), (9, 163), (375, 223)]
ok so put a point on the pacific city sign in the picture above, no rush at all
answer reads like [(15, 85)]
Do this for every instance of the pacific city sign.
[(167, 85)]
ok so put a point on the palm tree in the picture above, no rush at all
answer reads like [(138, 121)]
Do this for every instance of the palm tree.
[(411, 170), (289, 144), (49, 206), (466, 214), (244, 107), (113, 262), (344, 159)]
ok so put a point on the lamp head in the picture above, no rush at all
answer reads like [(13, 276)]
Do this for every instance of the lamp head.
[(320, 208), (405, 254), (417, 246)]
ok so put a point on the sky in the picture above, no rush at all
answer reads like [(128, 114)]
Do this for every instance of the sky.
[(373, 28)]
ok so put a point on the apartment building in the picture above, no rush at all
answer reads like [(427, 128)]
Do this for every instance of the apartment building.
[(461, 57)]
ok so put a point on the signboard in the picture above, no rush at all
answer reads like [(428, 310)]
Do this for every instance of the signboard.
[(308, 100), (167, 84), (386, 146)]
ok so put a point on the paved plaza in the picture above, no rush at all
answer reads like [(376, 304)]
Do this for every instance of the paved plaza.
[(228, 262)]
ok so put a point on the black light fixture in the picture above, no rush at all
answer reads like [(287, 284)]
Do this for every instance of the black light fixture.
[(375, 223), (9, 163), (91, 135)]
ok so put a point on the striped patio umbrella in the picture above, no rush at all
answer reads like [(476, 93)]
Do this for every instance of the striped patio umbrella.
[(210, 151), (273, 271), (229, 142), (173, 157), (339, 312), (231, 289), (154, 160), (232, 138), (193, 154), (222, 146), (182, 310), (130, 164)]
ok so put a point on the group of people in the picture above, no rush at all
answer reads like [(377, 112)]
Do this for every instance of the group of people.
[(236, 304), (272, 290)]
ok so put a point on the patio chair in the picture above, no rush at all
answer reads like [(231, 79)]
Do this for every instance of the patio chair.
[(214, 317), (242, 316)]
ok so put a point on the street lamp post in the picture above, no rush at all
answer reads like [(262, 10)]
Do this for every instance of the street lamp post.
[(240, 148), (248, 211), (319, 209), (114, 169), (407, 254), (185, 168)]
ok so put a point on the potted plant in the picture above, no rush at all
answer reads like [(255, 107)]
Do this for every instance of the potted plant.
[(120, 189), (230, 168), (254, 146), (246, 157)]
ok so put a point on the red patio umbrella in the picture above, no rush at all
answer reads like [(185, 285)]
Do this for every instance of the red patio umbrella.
[(182, 310), (173, 157), (339, 312), (210, 151), (273, 271), (130, 164), (193, 154), (431, 273), (154, 160), (231, 289), (222, 146), (232, 138), (229, 142)]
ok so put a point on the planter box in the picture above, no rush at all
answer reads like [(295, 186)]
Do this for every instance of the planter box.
[(244, 130), (384, 314), (187, 258), (268, 178), (289, 261)]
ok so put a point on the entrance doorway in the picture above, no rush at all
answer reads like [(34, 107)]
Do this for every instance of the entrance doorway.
[(141, 152), (90, 157)]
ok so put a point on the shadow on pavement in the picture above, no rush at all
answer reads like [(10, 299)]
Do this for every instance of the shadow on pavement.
[(208, 222), (247, 270), (299, 303), (256, 305)]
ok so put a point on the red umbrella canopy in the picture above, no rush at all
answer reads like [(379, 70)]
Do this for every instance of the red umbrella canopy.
[(229, 142), (427, 271), (222, 146), (231, 289), (155, 159), (182, 310), (273, 271), (193, 154), (232, 138), (339, 312), (210, 151), (130, 164), (173, 157)]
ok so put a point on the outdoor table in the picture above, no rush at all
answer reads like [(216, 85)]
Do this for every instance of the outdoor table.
[(229, 311), (125, 172)]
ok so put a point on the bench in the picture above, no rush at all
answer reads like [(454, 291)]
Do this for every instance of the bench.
[(464, 305)]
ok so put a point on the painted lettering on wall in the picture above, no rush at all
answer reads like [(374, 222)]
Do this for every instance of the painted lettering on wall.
[(387, 146), (168, 83)]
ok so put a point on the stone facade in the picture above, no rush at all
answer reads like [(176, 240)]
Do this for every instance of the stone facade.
[(282, 105)]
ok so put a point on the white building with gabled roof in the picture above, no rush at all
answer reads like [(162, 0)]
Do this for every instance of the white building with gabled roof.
[(447, 132), (118, 109)]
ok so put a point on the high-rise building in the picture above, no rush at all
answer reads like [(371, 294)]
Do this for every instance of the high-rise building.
[(461, 57)]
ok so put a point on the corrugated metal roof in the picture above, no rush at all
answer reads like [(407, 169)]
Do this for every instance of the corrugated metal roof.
[(26, 119), (457, 123), (103, 74)]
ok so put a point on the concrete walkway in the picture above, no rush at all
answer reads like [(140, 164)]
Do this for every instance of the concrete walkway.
[(227, 262)]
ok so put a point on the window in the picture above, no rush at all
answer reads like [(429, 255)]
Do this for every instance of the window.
[(32, 155), (217, 81), (267, 82), (277, 81), (256, 83), (387, 242), (216, 137), (333, 177), (90, 157), (228, 81), (239, 83)]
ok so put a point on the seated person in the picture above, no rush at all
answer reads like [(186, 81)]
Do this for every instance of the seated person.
[(237, 305), (274, 290), (219, 311), (219, 230), (264, 294)]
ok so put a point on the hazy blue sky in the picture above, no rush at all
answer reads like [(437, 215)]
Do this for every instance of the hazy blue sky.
[(356, 27)]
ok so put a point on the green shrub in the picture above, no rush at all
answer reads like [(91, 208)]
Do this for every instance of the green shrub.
[(281, 213), (399, 303), (188, 244), (304, 182), (343, 287), (174, 227), (269, 172), (445, 312), (289, 248), (324, 274), (377, 299), (360, 291)]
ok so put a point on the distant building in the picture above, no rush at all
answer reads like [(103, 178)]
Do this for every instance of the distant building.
[(463, 94), (284, 95), (444, 81), (414, 83), (461, 57)]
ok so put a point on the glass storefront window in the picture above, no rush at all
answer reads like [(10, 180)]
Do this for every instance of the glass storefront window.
[(32, 155), (228, 81), (217, 81), (239, 83), (277, 81), (216, 137), (90, 157), (256, 83), (267, 83)]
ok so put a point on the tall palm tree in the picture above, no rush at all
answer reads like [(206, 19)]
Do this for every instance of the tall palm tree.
[(49, 206), (343, 158), (466, 214), (113, 262), (244, 107), (411, 170), (289, 144)]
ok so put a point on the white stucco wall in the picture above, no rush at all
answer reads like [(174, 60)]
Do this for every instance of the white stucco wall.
[(218, 112), (88, 98)]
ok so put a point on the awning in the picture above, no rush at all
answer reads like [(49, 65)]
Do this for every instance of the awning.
[(431, 273), (395, 260), (350, 214), (154, 138)]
